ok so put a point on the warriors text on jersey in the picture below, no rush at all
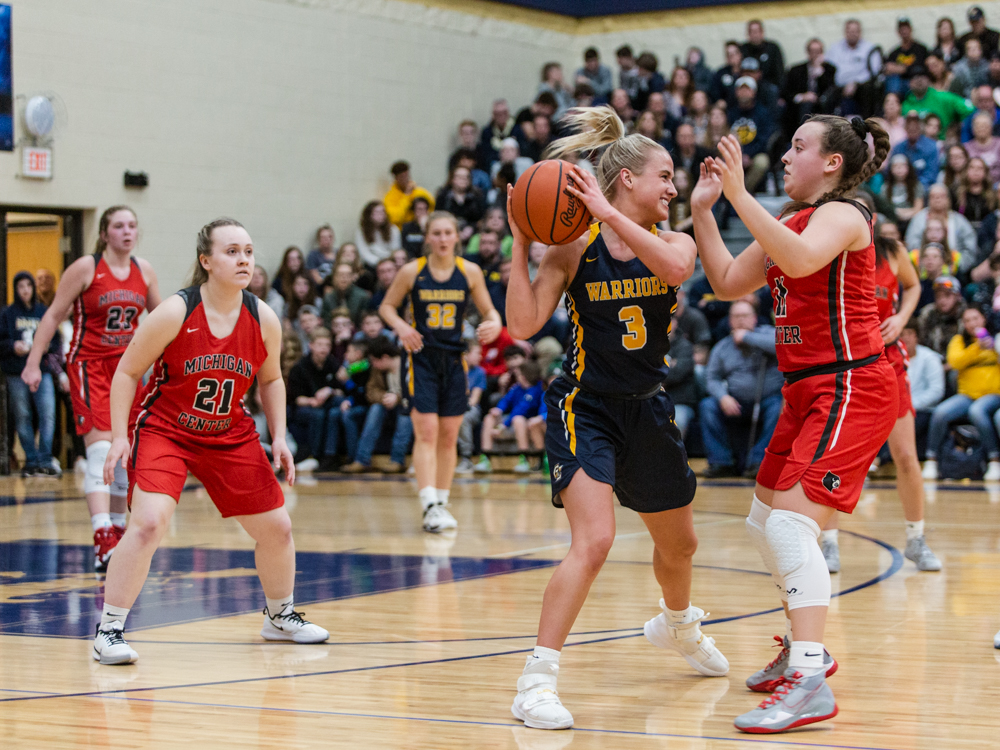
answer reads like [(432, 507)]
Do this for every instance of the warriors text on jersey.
[(438, 307), (621, 317), (829, 316), (106, 315), (198, 383)]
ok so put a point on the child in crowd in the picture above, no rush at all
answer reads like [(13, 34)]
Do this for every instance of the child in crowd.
[(509, 418), (476, 378), (343, 331), (373, 327)]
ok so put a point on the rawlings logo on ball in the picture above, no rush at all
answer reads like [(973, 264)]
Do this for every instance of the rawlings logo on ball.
[(568, 217)]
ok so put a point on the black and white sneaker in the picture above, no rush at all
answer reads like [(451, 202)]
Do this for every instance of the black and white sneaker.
[(437, 518), (291, 626), (110, 646)]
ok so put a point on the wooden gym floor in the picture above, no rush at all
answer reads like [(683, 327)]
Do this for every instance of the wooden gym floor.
[(428, 635)]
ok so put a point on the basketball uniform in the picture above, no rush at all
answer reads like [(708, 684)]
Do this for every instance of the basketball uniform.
[(837, 379), (608, 414), (190, 416), (436, 375), (887, 301), (105, 317)]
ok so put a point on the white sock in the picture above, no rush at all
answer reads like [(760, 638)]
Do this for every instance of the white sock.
[(914, 529), (678, 617), (100, 521), (442, 496), (428, 497), (277, 606), (806, 657), (112, 614), (117, 519), (829, 535), (788, 629), (542, 660)]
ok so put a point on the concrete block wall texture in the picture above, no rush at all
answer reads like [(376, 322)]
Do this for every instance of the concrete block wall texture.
[(286, 114)]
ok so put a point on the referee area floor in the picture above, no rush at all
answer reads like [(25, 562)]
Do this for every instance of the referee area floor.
[(429, 633)]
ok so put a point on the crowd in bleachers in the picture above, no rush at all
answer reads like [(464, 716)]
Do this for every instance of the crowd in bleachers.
[(937, 92)]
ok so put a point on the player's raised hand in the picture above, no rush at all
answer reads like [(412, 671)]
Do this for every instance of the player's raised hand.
[(118, 453), (708, 189), (283, 458), (730, 165)]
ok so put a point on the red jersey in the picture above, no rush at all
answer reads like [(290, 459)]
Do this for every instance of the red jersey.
[(199, 381), (886, 290), (106, 315), (829, 316)]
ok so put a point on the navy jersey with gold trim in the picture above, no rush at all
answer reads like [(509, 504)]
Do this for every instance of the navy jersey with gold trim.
[(438, 307), (621, 320)]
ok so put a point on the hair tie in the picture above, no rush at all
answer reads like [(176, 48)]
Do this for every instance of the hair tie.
[(860, 127)]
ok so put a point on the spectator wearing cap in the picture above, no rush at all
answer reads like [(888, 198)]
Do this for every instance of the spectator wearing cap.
[(725, 77), (919, 149), (923, 99), (753, 124), (961, 236), (939, 322), (971, 71), (857, 62), (596, 75), (810, 87), (767, 93), (765, 52), (989, 38), (628, 71), (399, 200), (901, 60)]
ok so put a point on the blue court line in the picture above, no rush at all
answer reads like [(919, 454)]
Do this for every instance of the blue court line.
[(501, 725), (897, 564)]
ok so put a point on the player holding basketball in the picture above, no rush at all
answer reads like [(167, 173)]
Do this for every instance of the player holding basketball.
[(610, 424), (107, 292), (440, 286), (208, 342), (819, 262), (892, 268)]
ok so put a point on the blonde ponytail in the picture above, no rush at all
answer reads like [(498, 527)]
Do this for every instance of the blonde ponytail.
[(599, 127)]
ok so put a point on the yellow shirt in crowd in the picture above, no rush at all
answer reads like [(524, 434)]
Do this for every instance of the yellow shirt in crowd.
[(978, 372), (399, 205)]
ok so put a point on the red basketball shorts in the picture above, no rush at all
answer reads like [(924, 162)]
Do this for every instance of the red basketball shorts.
[(90, 389), (896, 355), (831, 428), (236, 475)]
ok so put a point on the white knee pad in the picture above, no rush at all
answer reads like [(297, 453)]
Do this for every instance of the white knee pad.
[(120, 485), (794, 542), (759, 513), (93, 480)]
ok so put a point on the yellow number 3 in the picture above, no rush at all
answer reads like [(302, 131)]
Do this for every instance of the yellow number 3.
[(441, 316), (635, 324)]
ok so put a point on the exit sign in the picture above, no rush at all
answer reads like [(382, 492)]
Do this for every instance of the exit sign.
[(37, 163)]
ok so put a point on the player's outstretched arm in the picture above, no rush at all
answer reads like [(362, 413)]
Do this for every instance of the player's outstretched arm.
[(490, 327), (74, 281), (401, 286), (272, 392), (530, 304), (670, 257), (832, 229), (148, 343), (730, 277)]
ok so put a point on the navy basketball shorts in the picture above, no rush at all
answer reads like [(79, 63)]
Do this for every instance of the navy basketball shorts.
[(437, 382), (630, 444)]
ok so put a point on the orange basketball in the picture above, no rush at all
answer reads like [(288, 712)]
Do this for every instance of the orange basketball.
[(544, 209)]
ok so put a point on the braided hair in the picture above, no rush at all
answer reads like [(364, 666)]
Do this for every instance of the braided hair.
[(849, 139)]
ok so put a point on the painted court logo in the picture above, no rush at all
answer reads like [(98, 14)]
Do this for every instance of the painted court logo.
[(831, 481)]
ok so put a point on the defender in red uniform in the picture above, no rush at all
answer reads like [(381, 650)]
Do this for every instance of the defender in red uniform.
[(819, 262), (208, 343), (107, 292), (893, 267)]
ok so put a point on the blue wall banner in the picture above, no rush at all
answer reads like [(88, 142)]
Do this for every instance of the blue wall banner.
[(6, 83)]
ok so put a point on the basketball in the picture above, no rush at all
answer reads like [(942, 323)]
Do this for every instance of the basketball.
[(544, 209)]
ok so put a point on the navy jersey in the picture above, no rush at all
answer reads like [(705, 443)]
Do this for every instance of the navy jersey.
[(438, 307), (621, 317)]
